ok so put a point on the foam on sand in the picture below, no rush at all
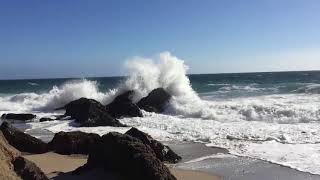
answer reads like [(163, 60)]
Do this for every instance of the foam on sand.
[(282, 128)]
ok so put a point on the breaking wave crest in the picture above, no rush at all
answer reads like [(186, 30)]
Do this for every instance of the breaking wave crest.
[(309, 89), (145, 75), (169, 72), (56, 97), (267, 126)]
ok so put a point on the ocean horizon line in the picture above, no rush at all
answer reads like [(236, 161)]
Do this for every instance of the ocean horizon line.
[(190, 74)]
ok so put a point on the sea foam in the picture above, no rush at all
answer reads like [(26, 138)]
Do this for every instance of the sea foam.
[(282, 128)]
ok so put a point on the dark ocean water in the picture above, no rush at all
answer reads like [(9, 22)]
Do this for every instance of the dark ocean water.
[(273, 116), (224, 85)]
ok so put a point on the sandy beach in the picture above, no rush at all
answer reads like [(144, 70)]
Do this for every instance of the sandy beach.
[(218, 165), (218, 161), (58, 167)]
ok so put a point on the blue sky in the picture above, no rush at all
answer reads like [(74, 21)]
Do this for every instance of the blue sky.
[(67, 38)]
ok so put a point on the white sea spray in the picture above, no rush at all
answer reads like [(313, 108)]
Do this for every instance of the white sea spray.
[(282, 127)]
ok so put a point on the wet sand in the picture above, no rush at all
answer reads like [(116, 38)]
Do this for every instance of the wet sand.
[(193, 175), (59, 167), (217, 161), (52, 164)]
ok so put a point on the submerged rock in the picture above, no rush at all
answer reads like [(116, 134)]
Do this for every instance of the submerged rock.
[(45, 119), (22, 141), (90, 113), (155, 101), (128, 157), (73, 142), (164, 153), (7, 155), (20, 117), (122, 106), (28, 170)]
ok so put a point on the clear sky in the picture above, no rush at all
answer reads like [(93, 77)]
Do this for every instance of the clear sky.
[(64, 38)]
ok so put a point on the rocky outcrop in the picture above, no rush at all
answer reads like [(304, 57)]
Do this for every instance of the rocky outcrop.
[(20, 117), (128, 157), (73, 142), (22, 141), (90, 113), (122, 106), (27, 170), (164, 153), (155, 101), (45, 119), (15, 167), (7, 155)]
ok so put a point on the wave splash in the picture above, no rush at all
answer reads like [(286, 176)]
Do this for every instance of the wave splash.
[(165, 71), (233, 117), (56, 97), (145, 75), (169, 72)]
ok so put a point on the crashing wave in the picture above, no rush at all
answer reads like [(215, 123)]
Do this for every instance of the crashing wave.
[(309, 89), (169, 72)]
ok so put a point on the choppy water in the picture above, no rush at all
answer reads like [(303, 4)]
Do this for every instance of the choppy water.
[(273, 116)]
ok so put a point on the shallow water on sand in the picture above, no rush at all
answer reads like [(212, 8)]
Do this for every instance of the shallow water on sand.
[(269, 116)]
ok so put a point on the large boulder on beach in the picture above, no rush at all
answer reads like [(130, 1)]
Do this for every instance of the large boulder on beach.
[(28, 170), (22, 141), (7, 155), (73, 142), (164, 153), (155, 101), (90, 113), (19, 117), (122, 106), (128, 157)]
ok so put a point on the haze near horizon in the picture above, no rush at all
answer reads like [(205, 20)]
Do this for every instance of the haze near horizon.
[(50, 39)]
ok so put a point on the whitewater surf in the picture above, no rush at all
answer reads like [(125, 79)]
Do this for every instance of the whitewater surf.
[(269, 116)]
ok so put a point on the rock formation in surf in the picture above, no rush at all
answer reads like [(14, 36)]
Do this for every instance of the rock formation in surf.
[(90, 113), (122, 106), (20, 117), (155, 101), (45, 119), (22, 141)]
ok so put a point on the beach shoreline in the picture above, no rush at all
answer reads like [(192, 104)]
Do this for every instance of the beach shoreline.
[(59, 167), (269, 116), (218, 161), (198, 161)]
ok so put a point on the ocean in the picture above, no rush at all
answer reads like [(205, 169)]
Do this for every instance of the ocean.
[(272, 116)]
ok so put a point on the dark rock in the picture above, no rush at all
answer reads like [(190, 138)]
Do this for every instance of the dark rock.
[(7, 155), (45, 119), (90, 113), (155, 101), (122, 106), (62, 117), (164, 153), (126, 156), (22, 141), (20, 117), (27, 170), (73, 142)]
